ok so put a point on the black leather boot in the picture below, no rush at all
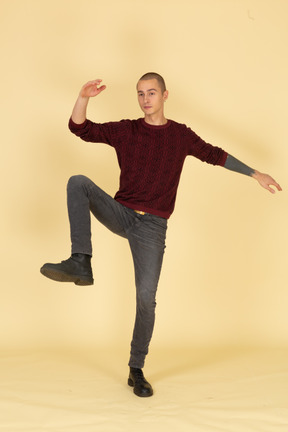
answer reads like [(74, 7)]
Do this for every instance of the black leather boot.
[(141, 387), (75, 269)]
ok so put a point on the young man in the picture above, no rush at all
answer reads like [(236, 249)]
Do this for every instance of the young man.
[(151, 152)]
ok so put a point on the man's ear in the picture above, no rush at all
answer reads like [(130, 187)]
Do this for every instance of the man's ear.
[(165, 95)]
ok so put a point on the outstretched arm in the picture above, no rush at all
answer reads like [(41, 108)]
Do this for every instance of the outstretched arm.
[(90, 89), (265, 180)]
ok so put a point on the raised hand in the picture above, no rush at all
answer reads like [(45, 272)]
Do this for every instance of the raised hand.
[(91, 89)]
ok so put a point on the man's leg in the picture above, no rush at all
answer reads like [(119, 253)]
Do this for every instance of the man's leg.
[(84, 196), (147, 242), (146, 235)]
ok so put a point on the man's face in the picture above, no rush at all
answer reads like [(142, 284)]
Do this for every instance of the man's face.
[(150, 97)]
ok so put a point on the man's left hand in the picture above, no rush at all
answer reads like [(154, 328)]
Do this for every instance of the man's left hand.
[(266, 181)]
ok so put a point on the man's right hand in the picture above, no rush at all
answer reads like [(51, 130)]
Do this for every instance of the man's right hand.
[(91, 89)]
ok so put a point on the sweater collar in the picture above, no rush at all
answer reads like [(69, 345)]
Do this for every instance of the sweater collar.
[(155, 127)]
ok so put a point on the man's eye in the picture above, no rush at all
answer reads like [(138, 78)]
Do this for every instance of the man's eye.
[(152, 93)]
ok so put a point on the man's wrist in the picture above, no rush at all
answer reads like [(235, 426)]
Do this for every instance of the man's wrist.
[(83, 99), (255, 174)]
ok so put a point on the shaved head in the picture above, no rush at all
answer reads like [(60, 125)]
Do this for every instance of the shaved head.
[(154, 75)]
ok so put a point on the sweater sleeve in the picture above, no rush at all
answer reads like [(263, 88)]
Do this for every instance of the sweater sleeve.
[(98, 132), (204, 151)]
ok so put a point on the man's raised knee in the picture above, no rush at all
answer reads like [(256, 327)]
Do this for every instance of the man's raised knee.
[(76, 181)]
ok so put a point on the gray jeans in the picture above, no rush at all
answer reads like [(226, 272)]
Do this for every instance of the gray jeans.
[(146, 236)]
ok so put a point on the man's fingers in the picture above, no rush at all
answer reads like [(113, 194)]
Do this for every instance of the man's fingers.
[(96, 83), (267, 181), (92, 83), (273, 183), (270, 189), (92, 88), (103, 87)]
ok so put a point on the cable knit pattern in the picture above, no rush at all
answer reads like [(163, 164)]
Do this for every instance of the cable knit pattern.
[(150, 158)]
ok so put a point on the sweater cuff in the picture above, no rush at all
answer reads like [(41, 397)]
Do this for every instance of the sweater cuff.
[(223, 159), (75, 126)]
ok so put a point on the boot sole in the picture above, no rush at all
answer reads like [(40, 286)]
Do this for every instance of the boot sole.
[(65, 277)]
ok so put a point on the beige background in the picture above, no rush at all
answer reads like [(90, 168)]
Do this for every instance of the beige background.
[(224, 278), (218, 359)]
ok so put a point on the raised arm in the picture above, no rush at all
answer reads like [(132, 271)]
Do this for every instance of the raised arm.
[(265, 180), (90, 89)]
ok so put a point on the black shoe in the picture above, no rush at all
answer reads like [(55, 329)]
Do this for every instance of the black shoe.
[(141, 387), (76, 269)]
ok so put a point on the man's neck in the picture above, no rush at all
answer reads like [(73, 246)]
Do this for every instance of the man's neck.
[(155, 120)]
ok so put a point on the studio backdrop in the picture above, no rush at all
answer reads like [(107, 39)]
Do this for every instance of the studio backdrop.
[(224, 278)]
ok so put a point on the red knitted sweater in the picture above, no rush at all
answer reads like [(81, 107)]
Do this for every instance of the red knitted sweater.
[(150, 158)]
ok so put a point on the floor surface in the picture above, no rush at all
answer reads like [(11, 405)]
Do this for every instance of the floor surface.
[(201, 390)]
